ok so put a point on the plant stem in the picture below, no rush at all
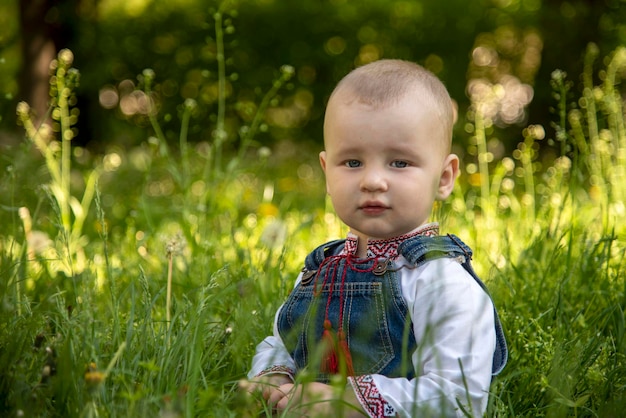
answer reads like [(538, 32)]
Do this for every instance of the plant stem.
[(529, 181), (184, 153), (483, 165), (168, 295), (286, 73), (220, 133), (63, 93)]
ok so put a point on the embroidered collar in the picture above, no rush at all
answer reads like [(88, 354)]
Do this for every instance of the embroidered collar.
[(388, 248)]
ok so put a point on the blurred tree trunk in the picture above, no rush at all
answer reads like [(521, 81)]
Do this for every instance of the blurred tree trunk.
[(38, 49), (46, 26)]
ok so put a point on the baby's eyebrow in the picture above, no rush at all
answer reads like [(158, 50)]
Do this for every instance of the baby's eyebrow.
[(349, 151)]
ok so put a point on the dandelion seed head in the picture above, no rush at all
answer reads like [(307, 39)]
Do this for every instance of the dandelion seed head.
[(175, 245), (274, 234)]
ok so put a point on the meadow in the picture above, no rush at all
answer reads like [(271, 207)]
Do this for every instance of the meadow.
[(138, 282)]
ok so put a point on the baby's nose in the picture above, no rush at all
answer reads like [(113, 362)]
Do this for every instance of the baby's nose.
[(373, 180)]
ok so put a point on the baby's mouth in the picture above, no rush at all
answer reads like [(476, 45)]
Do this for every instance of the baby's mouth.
[(373, 208)]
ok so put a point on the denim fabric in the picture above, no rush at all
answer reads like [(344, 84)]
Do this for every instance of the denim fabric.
[(376, 319)]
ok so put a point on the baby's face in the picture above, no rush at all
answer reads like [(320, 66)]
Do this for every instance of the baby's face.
[(385, 165)]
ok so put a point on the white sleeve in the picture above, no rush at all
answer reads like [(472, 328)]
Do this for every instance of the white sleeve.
[(271, 356), (453, 322)]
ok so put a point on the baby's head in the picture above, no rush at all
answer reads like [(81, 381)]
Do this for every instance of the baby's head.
[(388, 81), (387, 138)]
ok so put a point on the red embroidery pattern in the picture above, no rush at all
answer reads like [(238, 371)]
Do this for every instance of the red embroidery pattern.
[(278, 369), (388, 248), (369, 397)]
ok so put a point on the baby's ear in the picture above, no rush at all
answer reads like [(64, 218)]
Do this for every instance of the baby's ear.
[(449, 174), (323, 164), (323, 160)]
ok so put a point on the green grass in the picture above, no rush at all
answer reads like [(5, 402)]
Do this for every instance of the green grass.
[(86, 328)]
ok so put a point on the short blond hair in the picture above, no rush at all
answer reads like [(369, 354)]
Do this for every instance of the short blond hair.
[(387, 81)]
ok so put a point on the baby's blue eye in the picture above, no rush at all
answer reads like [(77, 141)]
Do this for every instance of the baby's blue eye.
[(399, 164), (353, 163)]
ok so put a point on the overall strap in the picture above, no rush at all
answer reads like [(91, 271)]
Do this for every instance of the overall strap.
[(421, 249), (313, 261)]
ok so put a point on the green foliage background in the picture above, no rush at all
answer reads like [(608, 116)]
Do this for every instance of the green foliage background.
[(143, 254), (115, 40)]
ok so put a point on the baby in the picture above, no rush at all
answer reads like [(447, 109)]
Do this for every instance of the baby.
[(392, 320)]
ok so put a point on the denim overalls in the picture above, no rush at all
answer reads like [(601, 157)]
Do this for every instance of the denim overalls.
[(376, 318)]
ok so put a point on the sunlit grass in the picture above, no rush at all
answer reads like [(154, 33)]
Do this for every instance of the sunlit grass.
[(187, 257)]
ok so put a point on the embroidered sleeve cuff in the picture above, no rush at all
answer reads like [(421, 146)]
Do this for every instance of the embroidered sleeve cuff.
[(369, 397), (278, 370)]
